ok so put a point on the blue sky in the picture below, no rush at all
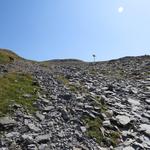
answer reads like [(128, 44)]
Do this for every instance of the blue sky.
[(50, 29)]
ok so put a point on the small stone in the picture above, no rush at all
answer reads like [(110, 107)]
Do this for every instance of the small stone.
[(12, 134), (86, 106), (145, 128), (64, 114), (133, 102), (40, 116), (33, 128), (122, 119), (83, 129), (61, 134), (147, 101), (32, 147), (134, 90), (146, 115), (7, 122), (26, 136), (48, 108), (27, 95), (76, 148), (43, 147), (137, 145), (66, 96), (43, 138), (45, 101), (128, 148), (14, 146), (90, 114), (110, 112), (106, 123)]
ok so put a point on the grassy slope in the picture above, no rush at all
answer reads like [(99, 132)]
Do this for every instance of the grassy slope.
[(13, 87), (7, 56)]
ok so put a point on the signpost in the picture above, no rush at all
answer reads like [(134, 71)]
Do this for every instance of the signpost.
[(94, 56)]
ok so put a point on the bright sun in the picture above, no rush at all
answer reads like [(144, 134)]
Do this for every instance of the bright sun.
[(120, 9)]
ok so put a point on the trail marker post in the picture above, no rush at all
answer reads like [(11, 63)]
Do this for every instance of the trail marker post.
[(94, 56)]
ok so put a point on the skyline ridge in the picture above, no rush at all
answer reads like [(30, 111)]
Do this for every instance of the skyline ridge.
[(67, 59)]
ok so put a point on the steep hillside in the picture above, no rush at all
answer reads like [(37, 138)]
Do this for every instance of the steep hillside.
[(7, 56), (75, 105)]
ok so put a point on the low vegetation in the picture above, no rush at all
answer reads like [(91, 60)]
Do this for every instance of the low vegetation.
[(114, 138), (93, 125), (7, 56), (73, 87), (94, 131), (93, 128), (17, 88)]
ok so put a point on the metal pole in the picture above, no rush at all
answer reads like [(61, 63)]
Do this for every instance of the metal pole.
[(94, 57)]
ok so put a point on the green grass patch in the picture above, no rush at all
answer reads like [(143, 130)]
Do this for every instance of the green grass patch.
[(44, 64), (13, 87), (62, 79), (77, 88), (7, 56), (73, 87), (94, 124), (114, 136), (99, 102), (93, 131), (93, 71), (93, 128)]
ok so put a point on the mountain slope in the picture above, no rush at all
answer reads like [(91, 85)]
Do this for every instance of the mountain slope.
[(75, 105), (7, 56)]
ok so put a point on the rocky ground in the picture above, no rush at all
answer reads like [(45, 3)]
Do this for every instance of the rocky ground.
[(81, 106)]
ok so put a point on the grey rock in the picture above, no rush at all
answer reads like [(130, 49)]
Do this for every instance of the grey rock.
[(106, 123), (4, 148), (43, 138), (133, 102), (86, 106), (61, 134), (33, 128), (48, 108), (27, 95), (128, 148), (145, 128), (134, 90), (27, 137), (14, 146), (66, 96), (7, 122), (12, 135), (32, 147), (144, 120), (76, 148), (137, 145), (89, 114), (147, 101), (146, 115), (40, 116), (45, 101), (43, 147), (64, 114), (110, 112), (122, 119), (83, 129)]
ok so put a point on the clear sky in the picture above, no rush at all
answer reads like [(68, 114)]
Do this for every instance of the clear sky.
[(50, 29)]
